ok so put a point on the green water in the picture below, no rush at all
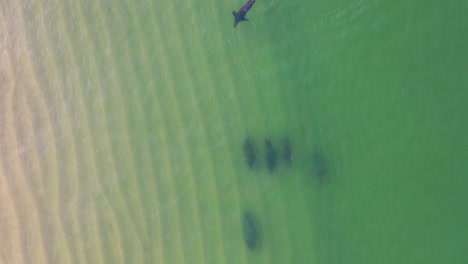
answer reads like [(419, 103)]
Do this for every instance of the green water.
[(378, 87)]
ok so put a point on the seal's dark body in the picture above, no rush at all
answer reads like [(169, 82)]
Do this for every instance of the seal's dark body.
[(240, 15)]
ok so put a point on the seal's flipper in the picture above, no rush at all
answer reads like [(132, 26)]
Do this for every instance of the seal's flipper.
[(238, 17), (234, 13)]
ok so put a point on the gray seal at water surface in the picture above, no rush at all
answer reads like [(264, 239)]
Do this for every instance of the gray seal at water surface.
[(239, 16)]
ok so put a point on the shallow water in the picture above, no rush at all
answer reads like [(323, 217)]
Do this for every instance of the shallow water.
[(122, 129)]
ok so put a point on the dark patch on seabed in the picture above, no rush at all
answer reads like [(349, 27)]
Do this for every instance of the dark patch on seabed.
[(279, 155), (251, 231), (271, 156), (318, 164)]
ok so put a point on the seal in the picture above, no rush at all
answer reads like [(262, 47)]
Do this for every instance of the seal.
[(239, 16)]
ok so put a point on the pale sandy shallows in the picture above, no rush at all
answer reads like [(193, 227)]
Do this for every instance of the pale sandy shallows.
[(79, 181)]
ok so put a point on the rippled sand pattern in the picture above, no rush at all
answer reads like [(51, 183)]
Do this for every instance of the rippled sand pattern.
[(105, 156), (122, 126)]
